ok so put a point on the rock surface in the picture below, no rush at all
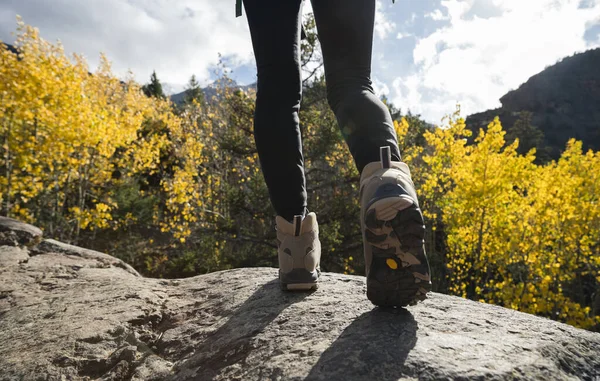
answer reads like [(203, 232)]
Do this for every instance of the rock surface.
[(74, 314), (15, 233)]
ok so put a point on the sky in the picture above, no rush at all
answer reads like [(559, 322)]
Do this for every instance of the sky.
[(428, 55)]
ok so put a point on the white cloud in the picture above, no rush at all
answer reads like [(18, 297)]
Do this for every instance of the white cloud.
[(457, 8), (401, 35), (482, 49), (177, 39), (437, 15), (408, 89), (383, 26), (380, 88), (475, 61)]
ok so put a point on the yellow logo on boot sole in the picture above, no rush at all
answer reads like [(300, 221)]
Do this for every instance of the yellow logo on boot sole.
[(392, 264)]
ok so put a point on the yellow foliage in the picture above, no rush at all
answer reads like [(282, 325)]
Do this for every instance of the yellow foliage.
[(518, 234), (65, 132)]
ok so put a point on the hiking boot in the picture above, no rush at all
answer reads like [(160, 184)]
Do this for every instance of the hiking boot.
[(299, 251), (393, 234)]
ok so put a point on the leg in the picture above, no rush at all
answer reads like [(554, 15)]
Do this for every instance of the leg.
[(275, 30), (345, 30), (392, 224)]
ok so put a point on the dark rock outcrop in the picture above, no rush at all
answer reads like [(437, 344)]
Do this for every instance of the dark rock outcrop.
[(73, 314), (563, 100)]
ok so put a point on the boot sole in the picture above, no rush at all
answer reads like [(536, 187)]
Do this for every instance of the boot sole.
[(299, 286), (399, 275), (299, 280)]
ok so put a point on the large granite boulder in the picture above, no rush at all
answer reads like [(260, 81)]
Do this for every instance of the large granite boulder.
[(68, 313)]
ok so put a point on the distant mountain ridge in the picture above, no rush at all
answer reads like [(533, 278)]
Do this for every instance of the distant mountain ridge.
[(210, 91), (10, 47), (562, 101)]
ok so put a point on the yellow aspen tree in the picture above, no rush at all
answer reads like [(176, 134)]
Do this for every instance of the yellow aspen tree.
[(65, 132)]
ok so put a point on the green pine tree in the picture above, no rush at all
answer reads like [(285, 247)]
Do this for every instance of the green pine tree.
[(193, 91), (529, 137), (154, 88)]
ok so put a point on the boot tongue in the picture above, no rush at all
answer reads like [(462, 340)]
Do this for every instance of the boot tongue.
[(385, 156), (385, 161), (297, 225)]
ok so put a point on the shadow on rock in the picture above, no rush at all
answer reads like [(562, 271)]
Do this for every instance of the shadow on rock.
[(373, 347), (235, 340)]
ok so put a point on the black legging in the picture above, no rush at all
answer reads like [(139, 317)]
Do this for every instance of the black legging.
[(345, 29)]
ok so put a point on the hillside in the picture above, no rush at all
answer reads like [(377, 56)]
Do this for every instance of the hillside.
[(563, 101)]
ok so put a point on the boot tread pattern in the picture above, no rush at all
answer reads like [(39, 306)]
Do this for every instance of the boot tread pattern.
[(399, 271)]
